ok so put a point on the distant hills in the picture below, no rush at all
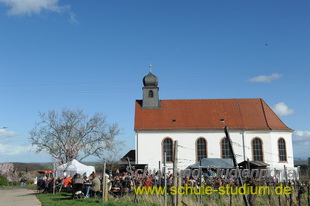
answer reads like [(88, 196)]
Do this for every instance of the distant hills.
[(20, 166)]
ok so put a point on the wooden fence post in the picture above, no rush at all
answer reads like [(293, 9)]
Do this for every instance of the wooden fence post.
[(291, 194), (179, 199), (200, 183), (104, 181), (136, 199), (299, 194), (106, 189), (165, 179), (175, 169), (285, 175), (308, 188), (309, 169), (54, 180)]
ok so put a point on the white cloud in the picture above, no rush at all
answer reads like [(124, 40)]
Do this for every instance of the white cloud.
[(22, 7), (8, 150), (29, 7), (7, 134), (301, 143), (302, 133), (282, 109), (73, 18), (265, 78)]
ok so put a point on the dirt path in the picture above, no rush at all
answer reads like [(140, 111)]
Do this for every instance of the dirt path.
[(18, 197)]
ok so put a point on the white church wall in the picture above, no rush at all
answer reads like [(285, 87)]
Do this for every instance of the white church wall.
[(149, 146), (270, 147), (287, 136), (266, 145), (237, 141)]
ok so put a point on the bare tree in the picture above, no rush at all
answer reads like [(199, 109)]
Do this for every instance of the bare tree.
[(112, 158), (73, 135)]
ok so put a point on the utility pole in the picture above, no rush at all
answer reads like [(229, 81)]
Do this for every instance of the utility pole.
[(165, 179), (245, 197), (175, 169)]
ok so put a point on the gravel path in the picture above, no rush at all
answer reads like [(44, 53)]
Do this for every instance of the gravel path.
[(18, 197)]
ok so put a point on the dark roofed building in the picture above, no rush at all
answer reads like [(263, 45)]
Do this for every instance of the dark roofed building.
[(131, 155)]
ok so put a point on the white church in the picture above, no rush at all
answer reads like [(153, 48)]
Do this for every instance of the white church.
[(257, 133)]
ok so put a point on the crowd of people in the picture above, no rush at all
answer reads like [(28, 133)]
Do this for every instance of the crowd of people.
[(90, 185), (122, 183)]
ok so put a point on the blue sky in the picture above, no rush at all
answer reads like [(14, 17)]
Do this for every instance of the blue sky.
[(93, 55)]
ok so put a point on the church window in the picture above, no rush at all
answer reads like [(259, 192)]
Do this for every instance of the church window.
[(151, 94), (168, 147), (201, 148), (257, 147), (226, 152), (282, 150)]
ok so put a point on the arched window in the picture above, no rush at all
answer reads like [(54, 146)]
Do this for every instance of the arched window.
[(201, 148), (226, 152), (282, 150), (151, 94), (257, 147), (168, 147)]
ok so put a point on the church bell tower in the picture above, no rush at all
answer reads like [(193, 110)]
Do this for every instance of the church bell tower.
[(150, 92)]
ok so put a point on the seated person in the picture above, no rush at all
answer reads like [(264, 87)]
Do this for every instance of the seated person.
[(77, 183), (87, 184), (66, 184), (95, 184), (77, 179), (67, 181)]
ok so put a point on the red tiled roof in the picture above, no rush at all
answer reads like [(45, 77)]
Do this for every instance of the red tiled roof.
[(206, 114)]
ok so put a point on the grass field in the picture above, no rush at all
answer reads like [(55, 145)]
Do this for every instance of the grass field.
[(64, 199), (17, 186)]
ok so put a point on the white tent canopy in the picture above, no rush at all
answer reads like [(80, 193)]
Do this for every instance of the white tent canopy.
[(73, 167)]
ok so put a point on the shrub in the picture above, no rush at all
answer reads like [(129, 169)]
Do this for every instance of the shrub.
[(3, 181)]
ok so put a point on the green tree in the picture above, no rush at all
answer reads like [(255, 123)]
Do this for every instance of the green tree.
[(3, 181)]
